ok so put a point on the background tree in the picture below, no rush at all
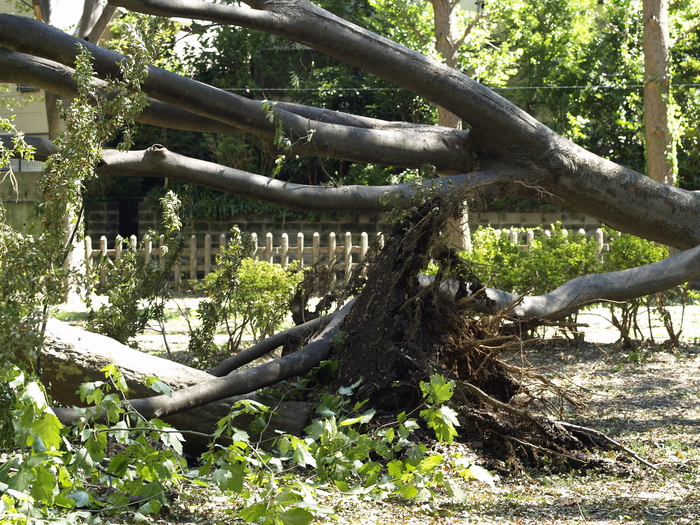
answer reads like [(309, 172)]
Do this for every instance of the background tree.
[(659, 142)]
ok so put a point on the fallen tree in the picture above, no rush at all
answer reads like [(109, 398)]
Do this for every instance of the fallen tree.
[(401, 327)]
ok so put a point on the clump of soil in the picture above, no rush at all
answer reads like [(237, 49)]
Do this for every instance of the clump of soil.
[(400, 332)]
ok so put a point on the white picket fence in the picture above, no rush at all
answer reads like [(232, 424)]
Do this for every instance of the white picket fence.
[(526, 238), (337, 252), (199, 257)]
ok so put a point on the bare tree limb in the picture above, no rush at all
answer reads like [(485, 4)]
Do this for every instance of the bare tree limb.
[(267, 345), (581, 291), (159, 162)]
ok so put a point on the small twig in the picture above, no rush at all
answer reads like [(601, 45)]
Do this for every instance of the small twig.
[(164, 332), (599, 434)]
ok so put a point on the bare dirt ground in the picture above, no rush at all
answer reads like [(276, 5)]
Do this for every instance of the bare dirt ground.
[(647, 398)]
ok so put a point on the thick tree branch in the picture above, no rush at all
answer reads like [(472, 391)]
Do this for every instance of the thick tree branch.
[(267, 345), (397, 145), (56, 78), (235, 384), (311, 26), (159, 162), (588, 289)]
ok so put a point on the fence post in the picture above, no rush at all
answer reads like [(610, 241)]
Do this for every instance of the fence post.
[(254, 241), (348, 256), (284, 250), (222, 247), (118, 248), (514, 238), (529, 239), (316, 248), (300, 250), (133, 242), (103, 254), (88, 252), (364, 246), (600, 239), (147, 248), (332, 252), (193, 258), (207, 254), (268, 247), (161, 243)]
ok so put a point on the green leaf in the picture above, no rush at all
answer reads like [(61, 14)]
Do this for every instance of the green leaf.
[(296, 516), (438, 390), (34, 392), (158, 386), (395, 468), (45, 486), (362, 419), (229, 478), (449, 415), (254, 512), (342, 485), (301, 455), (390, 434), (48, 428), (63, 501), (118, 465), (454, 491), (430, 463), (80, 497), (409, 491)]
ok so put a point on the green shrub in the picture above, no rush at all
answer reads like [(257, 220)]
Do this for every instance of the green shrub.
[(261, 299), (549, 262), (246, 296), (558, 258), (554, 259), (137, 290)]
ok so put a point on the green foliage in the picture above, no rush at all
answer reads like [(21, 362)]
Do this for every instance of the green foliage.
[(246, 295), (547, 264), (486, 52), (219, 287), (556, 258), (60, 472), (58, 467), (136, 290), (95, 117), (261, 299), (440, 417), (337, 454)]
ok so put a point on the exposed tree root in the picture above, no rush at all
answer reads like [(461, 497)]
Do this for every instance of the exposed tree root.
[(402, 331)]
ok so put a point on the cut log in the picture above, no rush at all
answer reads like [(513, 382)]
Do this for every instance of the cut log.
[(72, 356)]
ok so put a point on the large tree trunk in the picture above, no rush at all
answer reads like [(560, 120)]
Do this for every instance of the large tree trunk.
[(71, 356)]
